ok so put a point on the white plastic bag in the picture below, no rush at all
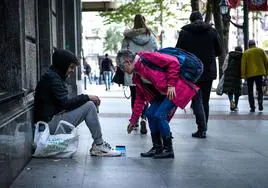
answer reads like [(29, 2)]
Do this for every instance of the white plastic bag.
[(62, 144), (219, 89)]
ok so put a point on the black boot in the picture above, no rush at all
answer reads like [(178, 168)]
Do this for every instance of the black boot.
[(260, 107), (201, 130), (199, 134), (167, 150), (157, 146)]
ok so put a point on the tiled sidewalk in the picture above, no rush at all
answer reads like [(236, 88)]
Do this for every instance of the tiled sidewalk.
[(233, 155)]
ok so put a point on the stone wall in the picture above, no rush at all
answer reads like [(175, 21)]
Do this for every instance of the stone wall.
[(30, 31)]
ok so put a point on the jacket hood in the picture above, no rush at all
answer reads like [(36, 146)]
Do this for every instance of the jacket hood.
[(62, 59), (197, 27), (138, 36), (235, 55)]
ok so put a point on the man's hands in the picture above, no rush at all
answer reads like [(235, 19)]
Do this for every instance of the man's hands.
[(130, 127), (95, 99), (171, 93)]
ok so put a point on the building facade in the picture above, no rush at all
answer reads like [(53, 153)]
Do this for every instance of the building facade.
[(30, 31)]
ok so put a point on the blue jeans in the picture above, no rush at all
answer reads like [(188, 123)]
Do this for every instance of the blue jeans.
[(107, 79), (157, 115)]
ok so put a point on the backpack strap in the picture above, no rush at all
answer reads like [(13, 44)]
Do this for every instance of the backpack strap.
[(151, 65)]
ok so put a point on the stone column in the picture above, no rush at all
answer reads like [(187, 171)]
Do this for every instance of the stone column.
[(10, 46), (54, 25), (60, 24), (79, 35), (45, 35), (17, 75), (71, 37), (30, 65)]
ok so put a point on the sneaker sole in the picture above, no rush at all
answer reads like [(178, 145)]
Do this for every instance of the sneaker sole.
[(101, 154), (201, 137)]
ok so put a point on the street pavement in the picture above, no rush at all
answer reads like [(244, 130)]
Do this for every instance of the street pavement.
[(234, 154)]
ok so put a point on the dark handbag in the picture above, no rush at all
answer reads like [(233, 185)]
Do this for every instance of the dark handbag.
[(118, 76)]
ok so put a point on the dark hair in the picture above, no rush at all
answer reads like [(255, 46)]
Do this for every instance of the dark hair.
[(196, 15), (238, 48), (106, 55), (139, 22), (251, 43)]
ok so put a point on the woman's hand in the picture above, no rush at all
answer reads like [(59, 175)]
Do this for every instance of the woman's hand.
[(130, 127), (171, 93)]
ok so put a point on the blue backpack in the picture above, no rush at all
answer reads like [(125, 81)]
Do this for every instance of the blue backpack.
[(191, 68)]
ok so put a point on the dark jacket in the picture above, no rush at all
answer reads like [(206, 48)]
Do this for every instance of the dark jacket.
[(87, 69), (107, 65), (51, 93), (202, 39), (232, 74)]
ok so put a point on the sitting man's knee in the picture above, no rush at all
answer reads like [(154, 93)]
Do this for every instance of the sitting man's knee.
[(90, 105)]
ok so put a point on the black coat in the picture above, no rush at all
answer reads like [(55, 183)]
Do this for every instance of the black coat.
[(87, 69), (202, 40), (232, 78), (107, 65), (51, 94)]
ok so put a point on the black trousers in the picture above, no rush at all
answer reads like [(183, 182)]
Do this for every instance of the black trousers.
[(133, 98), (205, 87), (199, 112), (258, 82)]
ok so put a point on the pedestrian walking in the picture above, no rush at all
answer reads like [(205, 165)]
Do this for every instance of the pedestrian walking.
[(254, 66), (87, 68), (202, 40), (139, 38), (107, 68), (232, 77)]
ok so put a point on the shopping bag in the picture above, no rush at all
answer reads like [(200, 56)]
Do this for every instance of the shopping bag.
[(118, 76), (62, 144), (219, 89), (265, 86)]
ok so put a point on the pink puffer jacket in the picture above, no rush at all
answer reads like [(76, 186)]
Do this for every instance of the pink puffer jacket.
[(185, 90)]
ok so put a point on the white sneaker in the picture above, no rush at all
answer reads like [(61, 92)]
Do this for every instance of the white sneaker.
[(104, 150)]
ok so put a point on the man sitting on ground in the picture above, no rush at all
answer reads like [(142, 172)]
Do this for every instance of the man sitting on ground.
[(52, 104)]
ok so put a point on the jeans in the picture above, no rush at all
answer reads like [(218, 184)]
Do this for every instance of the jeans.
[(232, 96), (88, 113), (107, 79), (258, 82), (198, 108), (157, 115), (90, 78)]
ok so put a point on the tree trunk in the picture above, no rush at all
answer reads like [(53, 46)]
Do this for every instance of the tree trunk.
[(208, 12), (223, 30), (195, 5)]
